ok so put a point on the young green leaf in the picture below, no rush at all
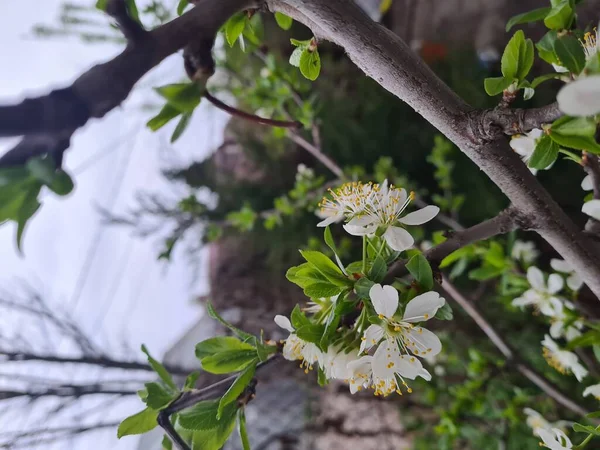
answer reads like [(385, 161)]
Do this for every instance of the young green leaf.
[(229, 361), (139, 423), (419, 268), (495, 86), (163, 374), (310, 64), (322, 290), (326, 266), (486, 273), (331, 244), (182, 96), (242, 430), (362, 287), (181, 126), (28, 208), (181, 6), (545, 153), (545, 47), (530, 16), (295, 56), (570, 53), (575, 126), (311, 333), (542, 78), (235, 27), (157, 396), (212, 312), (203, 415), (220, 344), (560, 16), (166, 114), (190, 381), (214, 439), (167, 444), (284, 22), (236, 389), (378, 270), (43, 169), (304, 275), (578, 142), (445, 312), (512, 55), (62, 184)]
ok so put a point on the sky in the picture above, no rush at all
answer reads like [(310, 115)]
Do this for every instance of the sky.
[(107, 278)]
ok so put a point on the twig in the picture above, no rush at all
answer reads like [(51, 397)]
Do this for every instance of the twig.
[(39, 434), (508, 352), (251, 117), (322, 157)]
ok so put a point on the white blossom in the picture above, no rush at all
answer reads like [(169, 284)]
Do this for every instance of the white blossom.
[(295, 348), (346, 201), (574, 281), (524, 145), (587, 184), (562, 326), (561, 360), (524, 251), (536, 421), (542, 294), (555, 439), (335, 363), (580, 97), (592, 390), (592, 209)]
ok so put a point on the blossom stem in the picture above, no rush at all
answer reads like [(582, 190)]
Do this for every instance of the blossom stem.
[(587, 440)]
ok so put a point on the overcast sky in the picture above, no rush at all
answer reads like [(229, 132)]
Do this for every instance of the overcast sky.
[(109, 279)]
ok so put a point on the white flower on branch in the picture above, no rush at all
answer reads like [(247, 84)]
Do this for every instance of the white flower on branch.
[(524, 251), (555, 439), (295, 348), (587, 184), (524, 145), (335, 363), (563, 361), (536, 421), (581, 97), (574, 281), (346, 201), (383, 210), (592, 390), (410, 338), (542, 295), (592, 209), (563, 326)]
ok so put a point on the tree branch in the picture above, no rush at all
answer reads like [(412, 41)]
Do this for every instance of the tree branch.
[(511, 357), (131, 29), (384, 57), (493, 123), (67, 390)]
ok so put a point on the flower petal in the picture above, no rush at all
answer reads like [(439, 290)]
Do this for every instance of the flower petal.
[(561, 266), (330, 219), (372, 336), (587, 184), (408, 367), (555, 283), (536, 278), (523, 145), (592, 209), (423, 342), (284, 323), (574, 282), (423, 307), (385, 299), (580, 97), (398, 239), (421, 216)]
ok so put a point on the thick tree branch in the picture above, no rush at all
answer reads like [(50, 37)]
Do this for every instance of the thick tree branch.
[(384, 57), (12, 356), (508, 220), (132, 30), (511, 357), (493, 123)]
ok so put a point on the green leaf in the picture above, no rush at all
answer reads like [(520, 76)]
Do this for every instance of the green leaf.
[(212, 312), (311, 333), (304, 275), (570, 53), (132, 10), (236, 389), (578, 142), (203, 415), (42, 169), (242, 430), (139, 423), (310, 64), (28, 208), (285, 22), (235, 27), (181, 126), (445, 312), (577, 427), (328, 237), (333, 321), (182, 96), (220, 344), (163, 374), (362, 287), (157, 396), (62, 184), (190, 381), (296, 56), (539, 80), (546, 47), (229, 361), (326, 267), (322, 290), (419, 268), (495, 86), (593, 415), (378, 270), (560, 16), (530, 16), (166, 114), (486, 273), (587, 339), (575, 126), (166, 443), (511, 56), (545, 153), (298, 318), (13, 175), (214, 439), (301, 44), (181, 6), (525, 59)]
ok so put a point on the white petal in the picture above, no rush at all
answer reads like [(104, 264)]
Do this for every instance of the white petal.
[(421, 216), (536, 278), (524, 300), (579, 371), (593, 390), (550, 344), (361, 226), (424, 373), (372, 336), (555, 283), (408, 367), (587, 184), (331, 219), (523, 145), (398, 239), (592, 209), (574, 282), (284, 323), (385, 354), (423, 307), (385, 299), (424, 342), (561, 266), (581, 97), (556, 329)]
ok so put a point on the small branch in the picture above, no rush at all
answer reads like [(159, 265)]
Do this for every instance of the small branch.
[(67, 390), (250, 117), (441, 217), (31, 146), (508, 352), (47, 435), (322, 157), (508, 220), (131, 29)]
